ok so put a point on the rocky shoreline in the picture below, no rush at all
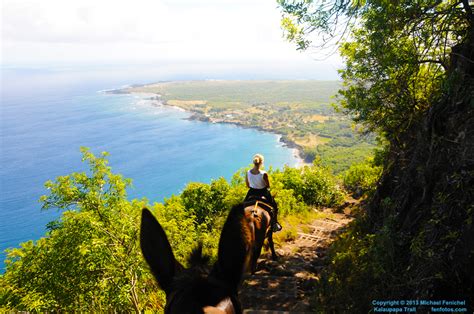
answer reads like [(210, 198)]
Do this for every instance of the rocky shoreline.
[(198, 116)]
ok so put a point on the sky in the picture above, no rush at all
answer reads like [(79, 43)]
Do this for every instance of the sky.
[(228, 33)]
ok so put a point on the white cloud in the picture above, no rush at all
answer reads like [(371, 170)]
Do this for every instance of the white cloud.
[(79, 21), (143, 30)]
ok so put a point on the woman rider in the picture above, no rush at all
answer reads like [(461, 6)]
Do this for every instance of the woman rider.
[(258, 184)]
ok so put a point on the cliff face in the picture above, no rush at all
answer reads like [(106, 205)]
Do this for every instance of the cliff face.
[(426, 193)]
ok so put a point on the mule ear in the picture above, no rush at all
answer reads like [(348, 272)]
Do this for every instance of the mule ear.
[(157, 250), (234, 250)]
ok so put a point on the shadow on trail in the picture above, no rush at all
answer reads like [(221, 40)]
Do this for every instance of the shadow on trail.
[(287, 285)]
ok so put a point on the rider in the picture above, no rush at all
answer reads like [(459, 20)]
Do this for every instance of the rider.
[(258, 184)]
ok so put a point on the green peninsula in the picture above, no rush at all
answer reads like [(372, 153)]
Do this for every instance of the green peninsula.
[(300, 111)]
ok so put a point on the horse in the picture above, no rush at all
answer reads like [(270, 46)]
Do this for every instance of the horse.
[(201, 288), (269, 211)]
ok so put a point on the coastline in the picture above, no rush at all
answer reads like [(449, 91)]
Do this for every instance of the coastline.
[(296, 149)]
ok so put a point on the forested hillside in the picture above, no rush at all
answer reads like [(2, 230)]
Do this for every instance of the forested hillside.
[(409, 76)]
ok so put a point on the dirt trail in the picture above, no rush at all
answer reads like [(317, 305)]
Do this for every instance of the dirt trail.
[(284, 286)]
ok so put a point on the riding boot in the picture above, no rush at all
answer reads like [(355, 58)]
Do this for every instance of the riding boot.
[(275, 225)]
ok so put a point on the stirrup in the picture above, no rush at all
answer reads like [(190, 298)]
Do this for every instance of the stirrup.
[(276, 227)]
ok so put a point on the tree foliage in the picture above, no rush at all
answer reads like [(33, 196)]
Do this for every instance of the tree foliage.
[(396, 53), (409, 76), (362, 178), (205, 200), (90, 258), (314, 184)]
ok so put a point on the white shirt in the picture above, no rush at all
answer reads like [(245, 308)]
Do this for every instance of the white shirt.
[(256, 180)]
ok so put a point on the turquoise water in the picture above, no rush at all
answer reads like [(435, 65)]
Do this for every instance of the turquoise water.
[(46, 116)]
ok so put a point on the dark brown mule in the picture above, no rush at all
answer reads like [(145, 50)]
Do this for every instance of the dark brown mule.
[(201, 289), (250, 204)]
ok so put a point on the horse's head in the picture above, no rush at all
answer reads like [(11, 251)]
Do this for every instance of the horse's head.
[(197, 290)]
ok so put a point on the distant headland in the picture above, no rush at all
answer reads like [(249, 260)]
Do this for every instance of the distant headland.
[(300, 111)]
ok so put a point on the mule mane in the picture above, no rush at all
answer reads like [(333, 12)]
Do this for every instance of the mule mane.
[(194, 287), (197, 258), (197, 273)]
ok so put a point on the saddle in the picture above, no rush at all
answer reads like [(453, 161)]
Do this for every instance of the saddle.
[(262, 202)]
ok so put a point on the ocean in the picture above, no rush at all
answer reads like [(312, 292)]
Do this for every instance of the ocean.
[(47, 115)]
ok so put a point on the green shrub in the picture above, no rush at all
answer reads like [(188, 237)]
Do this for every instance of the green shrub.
[(360, 270), (205, 201), (362, 178), (314, 184)]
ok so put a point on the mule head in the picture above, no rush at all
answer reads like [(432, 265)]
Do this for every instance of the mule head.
[(193, 290)]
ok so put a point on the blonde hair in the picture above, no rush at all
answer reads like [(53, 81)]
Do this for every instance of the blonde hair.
[(258, 160)]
